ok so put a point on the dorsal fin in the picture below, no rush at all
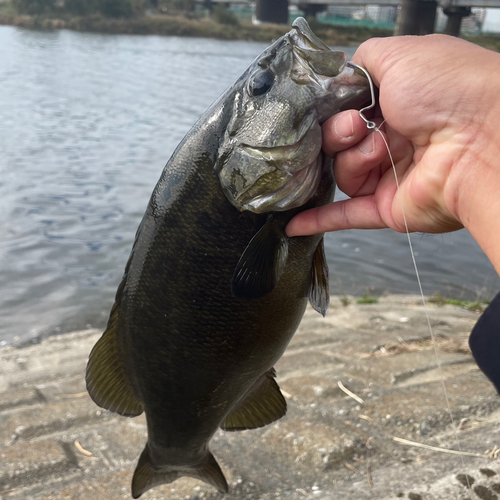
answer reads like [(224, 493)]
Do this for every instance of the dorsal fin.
[(319, 287), (106, 376), (262, 263), (261, 405)]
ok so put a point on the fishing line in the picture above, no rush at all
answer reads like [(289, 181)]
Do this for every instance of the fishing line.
[(373, 126)]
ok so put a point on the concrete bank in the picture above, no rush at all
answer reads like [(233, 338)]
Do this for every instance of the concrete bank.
[(56, 444)]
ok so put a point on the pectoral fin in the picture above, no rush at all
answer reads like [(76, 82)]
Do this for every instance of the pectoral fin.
[(484, 342), (106, 377), (262, 263), (319, 288), (262, 405)]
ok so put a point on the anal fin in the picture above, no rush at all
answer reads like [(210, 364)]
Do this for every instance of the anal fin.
[(261, 405), (106, 376), (319, 287)]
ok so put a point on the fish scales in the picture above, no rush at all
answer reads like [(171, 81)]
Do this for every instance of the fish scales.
[(214, 290)]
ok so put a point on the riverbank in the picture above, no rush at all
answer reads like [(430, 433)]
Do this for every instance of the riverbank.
[(181, 26), (56, 444), (207, 28)]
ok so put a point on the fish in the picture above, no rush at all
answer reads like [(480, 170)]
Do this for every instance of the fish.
[(214, 289)]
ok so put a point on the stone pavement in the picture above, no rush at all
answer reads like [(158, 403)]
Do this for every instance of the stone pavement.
[(56, 444)]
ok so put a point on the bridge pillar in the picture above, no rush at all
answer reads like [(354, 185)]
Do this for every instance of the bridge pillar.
[(416, 17), (272, 11), (455, 15), (311, 9)]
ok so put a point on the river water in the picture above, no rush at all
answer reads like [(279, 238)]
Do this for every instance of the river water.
[(87, 122)]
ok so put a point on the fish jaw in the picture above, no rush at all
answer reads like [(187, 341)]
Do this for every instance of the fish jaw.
[(294, 193)]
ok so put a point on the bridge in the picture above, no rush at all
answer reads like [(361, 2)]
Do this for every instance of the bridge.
[(416, 17)]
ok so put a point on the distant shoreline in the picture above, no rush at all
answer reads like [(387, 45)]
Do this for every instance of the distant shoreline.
[(164, 25), (181, 26)]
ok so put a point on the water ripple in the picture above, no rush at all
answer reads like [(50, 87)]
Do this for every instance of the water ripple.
[(87, 122)]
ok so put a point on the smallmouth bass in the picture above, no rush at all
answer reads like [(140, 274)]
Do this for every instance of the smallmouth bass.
[(214, 289)]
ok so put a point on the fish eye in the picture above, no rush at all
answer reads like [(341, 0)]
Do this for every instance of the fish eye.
[(260, 83)]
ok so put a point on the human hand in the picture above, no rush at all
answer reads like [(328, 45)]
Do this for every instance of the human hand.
[(440, 98)]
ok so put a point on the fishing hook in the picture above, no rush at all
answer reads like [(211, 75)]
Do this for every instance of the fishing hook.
[(370, 125)]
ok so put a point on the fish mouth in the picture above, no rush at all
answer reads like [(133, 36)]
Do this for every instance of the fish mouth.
[(294, 191), (287, 183), (293, 156)]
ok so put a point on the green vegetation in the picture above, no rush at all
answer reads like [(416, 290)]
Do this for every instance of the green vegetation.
[(367, 299), (106, 8), (344, 300), (7, 10), (223, 15), (177, 7), (180, 25), (160, 17), (478, 305), (33, 6)]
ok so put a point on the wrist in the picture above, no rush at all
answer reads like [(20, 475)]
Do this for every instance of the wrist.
[(478, 193)]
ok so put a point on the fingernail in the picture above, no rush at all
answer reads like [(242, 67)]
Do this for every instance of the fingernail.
[(344, 126), (368, 144)]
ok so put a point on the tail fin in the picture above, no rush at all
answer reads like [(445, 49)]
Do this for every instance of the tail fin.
[(147, 476)]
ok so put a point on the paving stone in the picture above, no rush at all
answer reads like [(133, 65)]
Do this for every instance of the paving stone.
[(121, 442), (25, 463), (63, 389), (20, 397), (116, 486), (313, 445), (327, 446), (50, 418), (389, 370), (55, 357), (310, 389), (307, 359)]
